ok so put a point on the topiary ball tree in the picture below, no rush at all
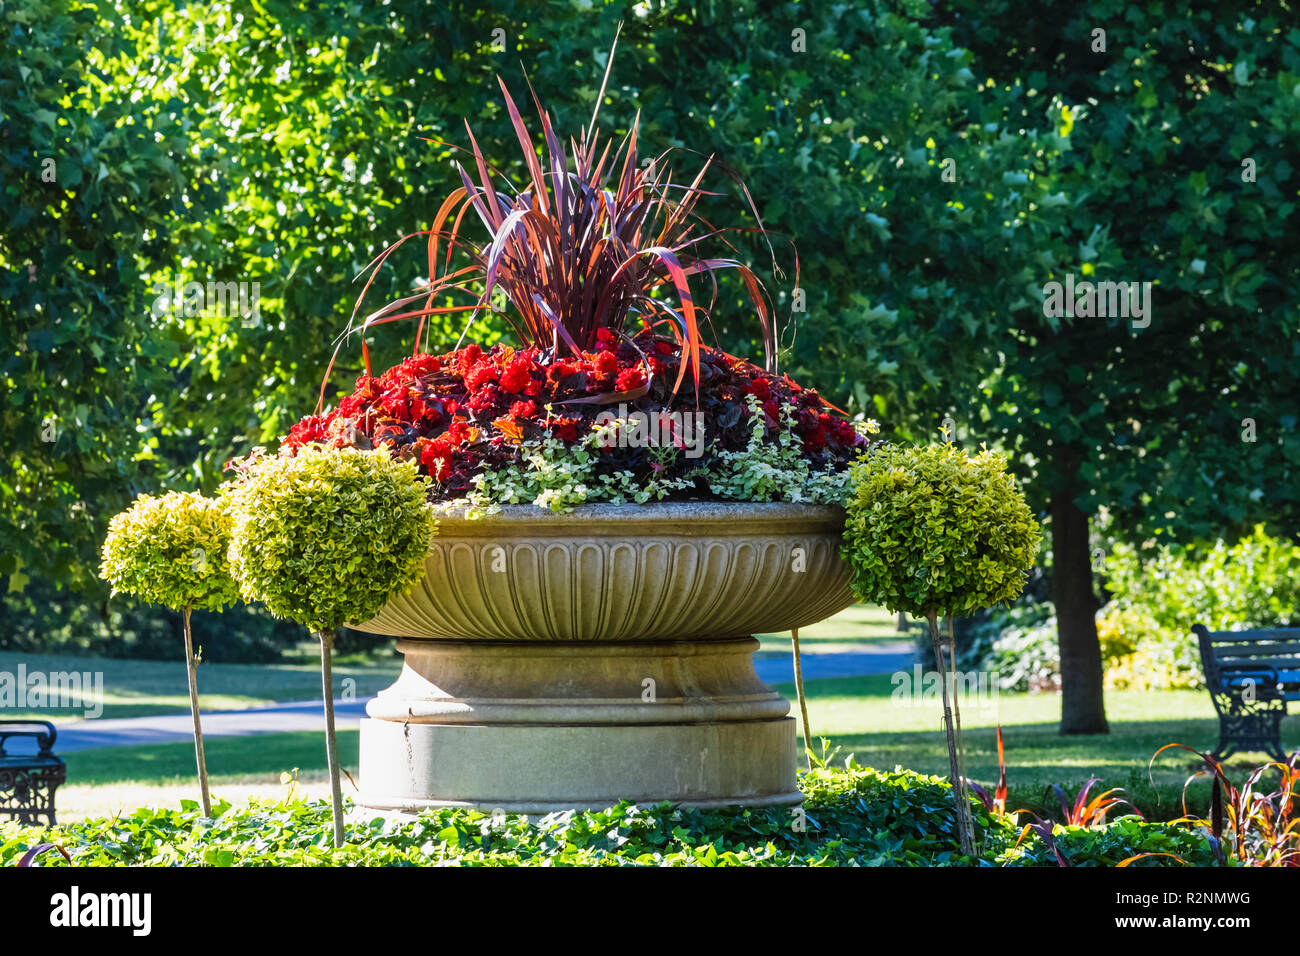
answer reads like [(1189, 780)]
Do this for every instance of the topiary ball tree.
[(932, 530), (171, 550), (324, 538)]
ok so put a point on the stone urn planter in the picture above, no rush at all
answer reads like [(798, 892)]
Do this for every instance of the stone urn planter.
[(572, 660)]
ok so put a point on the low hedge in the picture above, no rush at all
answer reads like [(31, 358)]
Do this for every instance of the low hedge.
[(852, 817)]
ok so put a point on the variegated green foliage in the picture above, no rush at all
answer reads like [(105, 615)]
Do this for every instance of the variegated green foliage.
[(324, 538), (932, 529), (775, 468), (171, 550)]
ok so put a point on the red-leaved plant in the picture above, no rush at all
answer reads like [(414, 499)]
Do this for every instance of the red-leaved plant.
[(597, 253), (1253, 828), (1081, 812), (587, 244), (995, 803)]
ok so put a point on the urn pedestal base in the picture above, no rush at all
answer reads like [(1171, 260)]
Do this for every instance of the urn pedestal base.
[(533, 727), (525, 769), (575, 659)]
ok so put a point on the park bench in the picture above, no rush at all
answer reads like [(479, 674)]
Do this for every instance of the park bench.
[(28, 780), (1250, 675)]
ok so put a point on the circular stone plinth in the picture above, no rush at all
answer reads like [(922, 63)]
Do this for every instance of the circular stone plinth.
[(541, 726), (480, 682), (544, 768)]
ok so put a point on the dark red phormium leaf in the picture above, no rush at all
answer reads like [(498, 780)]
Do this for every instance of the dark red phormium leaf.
[(1257, 829), (574, 250), (29, 858)]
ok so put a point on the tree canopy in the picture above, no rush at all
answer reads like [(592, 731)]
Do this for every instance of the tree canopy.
[(936, 168)]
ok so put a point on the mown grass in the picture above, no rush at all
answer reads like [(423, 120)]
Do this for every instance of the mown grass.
[(863, 716), (860, 715), (106, 780)]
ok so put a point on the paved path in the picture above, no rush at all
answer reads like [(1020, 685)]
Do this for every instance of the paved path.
[(275, 719), (888, 659), (309, 715)]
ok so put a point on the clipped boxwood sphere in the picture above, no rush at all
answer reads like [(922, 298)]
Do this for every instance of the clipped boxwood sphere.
[(326, 536), (171, 550), (932, 529)]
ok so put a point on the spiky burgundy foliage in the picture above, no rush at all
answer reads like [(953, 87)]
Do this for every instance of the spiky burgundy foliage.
[(593, 240), (1255, 828), (995, 803), (600, 255), (1083, 812)]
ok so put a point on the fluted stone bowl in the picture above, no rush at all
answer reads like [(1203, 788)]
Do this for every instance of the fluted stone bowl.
[(575, 660), (655, 572)]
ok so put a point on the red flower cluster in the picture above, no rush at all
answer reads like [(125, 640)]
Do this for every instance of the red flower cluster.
[(466, 411)]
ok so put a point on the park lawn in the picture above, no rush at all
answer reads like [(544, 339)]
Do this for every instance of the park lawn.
[(106, 780), (139, 688), (857, 714), (860, 716)]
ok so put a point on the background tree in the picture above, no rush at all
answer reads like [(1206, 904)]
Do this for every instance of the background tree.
[(295, 142), (1178, 130), (91, 181)]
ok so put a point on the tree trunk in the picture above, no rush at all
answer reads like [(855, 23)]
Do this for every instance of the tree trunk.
[(956, 718), (192, 668), (961, 805), (803, 704), (1083, 709), (331, 742)]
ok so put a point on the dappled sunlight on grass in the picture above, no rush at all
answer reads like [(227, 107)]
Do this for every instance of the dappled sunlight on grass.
[(103, 780), (257, 756)]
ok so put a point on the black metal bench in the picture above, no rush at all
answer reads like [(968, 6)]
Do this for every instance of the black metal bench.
[(1250, 675), (28, 780)]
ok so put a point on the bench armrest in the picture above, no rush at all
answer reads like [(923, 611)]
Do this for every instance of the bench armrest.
[(1266, 681), (41, 730)]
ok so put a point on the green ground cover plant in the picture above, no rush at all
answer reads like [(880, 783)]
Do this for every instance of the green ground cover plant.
[(849, 817)]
